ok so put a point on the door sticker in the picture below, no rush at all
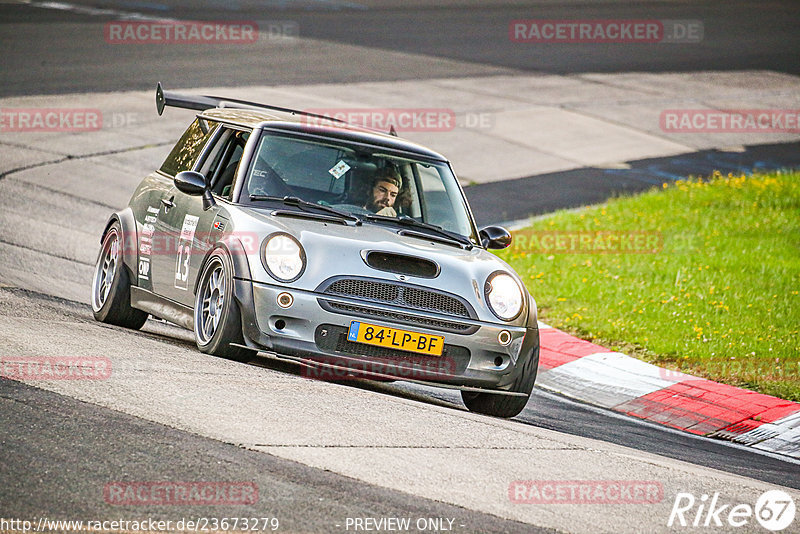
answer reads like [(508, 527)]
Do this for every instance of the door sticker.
[(146, 242), (185, 252), (144, 269)]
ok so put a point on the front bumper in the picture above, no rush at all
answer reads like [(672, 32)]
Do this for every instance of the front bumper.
[(315, 327)]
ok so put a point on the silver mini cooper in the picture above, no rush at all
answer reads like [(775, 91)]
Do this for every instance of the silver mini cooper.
[(349, 251)]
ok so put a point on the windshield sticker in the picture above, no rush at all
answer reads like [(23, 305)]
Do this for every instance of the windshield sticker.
[(339, 169)]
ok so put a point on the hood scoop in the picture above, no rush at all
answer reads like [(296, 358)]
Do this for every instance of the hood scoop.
[(402, 264)]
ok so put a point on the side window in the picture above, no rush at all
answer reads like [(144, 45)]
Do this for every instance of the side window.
[(439, 208), (186, 150), (408, 199), (222, 170)]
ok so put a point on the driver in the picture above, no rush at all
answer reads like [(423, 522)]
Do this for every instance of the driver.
[(385, 188)]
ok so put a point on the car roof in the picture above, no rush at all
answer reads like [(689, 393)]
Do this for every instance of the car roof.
[(315, 125)]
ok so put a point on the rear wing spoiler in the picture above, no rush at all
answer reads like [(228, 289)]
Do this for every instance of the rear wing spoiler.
[(202, 103)]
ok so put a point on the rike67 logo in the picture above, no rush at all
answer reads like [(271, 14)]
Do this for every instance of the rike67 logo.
[(774, 510)]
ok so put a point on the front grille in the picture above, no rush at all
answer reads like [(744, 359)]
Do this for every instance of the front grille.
[(347, 287), (429, 300), (333, 339), (401, 295), (398, 317)]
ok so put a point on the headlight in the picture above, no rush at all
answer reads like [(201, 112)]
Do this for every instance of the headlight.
[(504, 296), (283, 257)]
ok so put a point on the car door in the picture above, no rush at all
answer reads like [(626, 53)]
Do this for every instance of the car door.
[(182, 223), (147, 209), (195, 229), (173, 204)]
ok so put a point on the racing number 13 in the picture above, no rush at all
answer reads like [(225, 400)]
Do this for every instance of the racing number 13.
[(182, 265), (185, 252)]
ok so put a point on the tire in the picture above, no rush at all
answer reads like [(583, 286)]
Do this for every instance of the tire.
[(111, 286), (505, 405), (217, 320)]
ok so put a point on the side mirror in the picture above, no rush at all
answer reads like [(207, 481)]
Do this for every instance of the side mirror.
[(190, 182), (495, 237), (194, 184)]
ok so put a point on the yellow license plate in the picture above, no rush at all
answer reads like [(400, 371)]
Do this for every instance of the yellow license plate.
[(394, 338)]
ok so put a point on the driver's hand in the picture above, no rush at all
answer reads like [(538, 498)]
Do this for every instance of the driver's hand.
[(388, 211)]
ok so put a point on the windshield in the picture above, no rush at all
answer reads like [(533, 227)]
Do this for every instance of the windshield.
[(358, 180)]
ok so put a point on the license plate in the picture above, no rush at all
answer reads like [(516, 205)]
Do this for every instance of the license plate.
[(394, 338)]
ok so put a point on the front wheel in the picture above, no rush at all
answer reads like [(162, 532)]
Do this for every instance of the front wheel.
[(217, 321), (506, 405), (111, 286)]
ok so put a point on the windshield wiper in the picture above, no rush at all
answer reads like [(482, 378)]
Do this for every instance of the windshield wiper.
[(405, 220), (304, 205)]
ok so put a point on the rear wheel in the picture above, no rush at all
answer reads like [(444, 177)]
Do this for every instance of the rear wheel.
[(111, 287), (217, 321), (505, 405)]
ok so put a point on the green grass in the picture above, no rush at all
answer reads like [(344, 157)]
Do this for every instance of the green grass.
[(719, 299)]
